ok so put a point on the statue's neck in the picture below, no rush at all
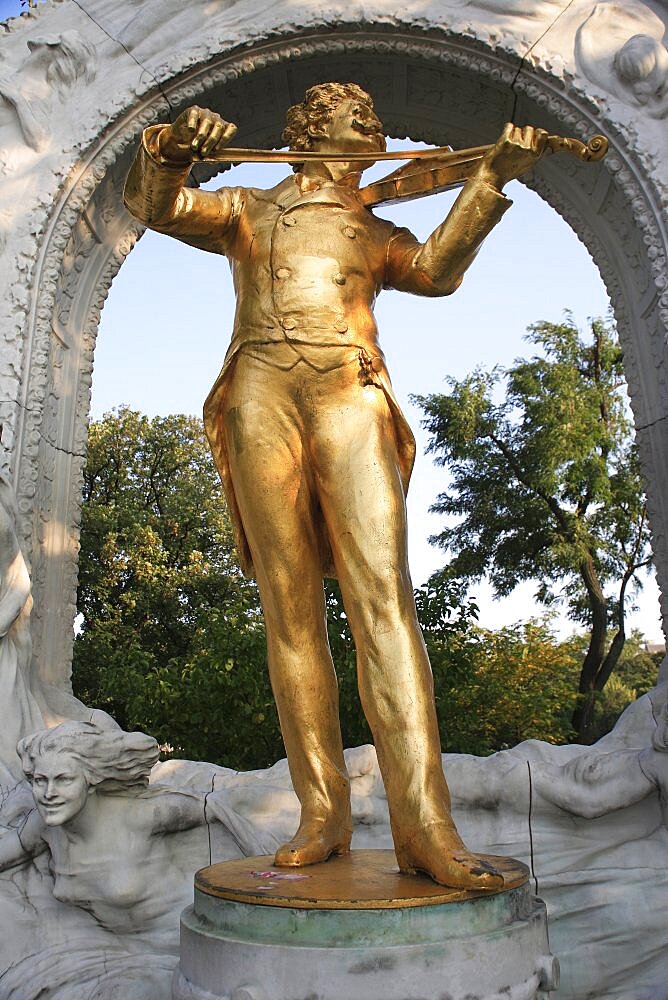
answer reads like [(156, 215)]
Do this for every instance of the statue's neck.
[(324, 172)]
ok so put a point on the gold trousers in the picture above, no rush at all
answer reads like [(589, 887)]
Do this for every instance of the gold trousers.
[(307, 447)]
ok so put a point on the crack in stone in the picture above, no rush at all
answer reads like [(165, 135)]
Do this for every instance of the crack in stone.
[(652, 423), (131, 54), (56, 447), (530, 50), (208, 825), (19, 402), (66, 451)]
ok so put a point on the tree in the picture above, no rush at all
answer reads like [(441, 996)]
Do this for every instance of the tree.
[(546, 485), (171, 637), (635, 674), (493, 688)]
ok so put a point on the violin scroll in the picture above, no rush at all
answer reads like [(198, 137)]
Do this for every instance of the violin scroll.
[(589, 152)]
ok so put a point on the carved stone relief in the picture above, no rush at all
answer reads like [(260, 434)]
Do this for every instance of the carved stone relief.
[(90, 909), (55, 65), (620, 49)]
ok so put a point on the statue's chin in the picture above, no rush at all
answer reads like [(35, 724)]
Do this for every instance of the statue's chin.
[(56, 817)]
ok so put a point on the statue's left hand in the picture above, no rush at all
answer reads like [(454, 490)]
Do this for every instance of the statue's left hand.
[(515, 151)]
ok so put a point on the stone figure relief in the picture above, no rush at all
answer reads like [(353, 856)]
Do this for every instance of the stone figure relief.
[(96, 865), (596, 783), (93, 801), (642, 66), (620, 49), (106, 831), (56, 63)]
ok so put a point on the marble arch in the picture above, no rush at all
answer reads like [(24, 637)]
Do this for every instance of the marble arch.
[(79, 81)]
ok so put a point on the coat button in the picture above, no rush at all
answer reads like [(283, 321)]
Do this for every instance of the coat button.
[(340, 279), (288, 324), (341, 327), (349, 232), (282, 272), (289, 220)]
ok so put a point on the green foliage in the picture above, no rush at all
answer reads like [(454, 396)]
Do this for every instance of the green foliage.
[(172, 638), (546, 484), (494, 688), (637, 668), (636, 673), (609, 705)]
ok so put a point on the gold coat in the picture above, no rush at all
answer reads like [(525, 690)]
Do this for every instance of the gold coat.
[(307, 262)]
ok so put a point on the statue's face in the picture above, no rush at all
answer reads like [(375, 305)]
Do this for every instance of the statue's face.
[(59, 787), (353, 127)]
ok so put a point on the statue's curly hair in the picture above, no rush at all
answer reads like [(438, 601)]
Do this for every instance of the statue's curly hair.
[(110, 759), (316, 110)]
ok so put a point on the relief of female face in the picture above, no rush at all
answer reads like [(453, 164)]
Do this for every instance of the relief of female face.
[(60, 787)]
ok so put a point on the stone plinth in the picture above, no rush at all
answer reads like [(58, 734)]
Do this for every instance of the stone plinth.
[(354, 928)]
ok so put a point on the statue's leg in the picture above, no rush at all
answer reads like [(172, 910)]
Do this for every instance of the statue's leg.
[(274, 491), (358, 481)]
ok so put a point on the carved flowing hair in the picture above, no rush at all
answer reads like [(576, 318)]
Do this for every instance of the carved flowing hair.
[(110, 759), (69, 58), (316, 109)]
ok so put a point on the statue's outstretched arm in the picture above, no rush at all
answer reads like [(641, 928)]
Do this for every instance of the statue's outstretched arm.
[(594, 783), (173, 811), (437, 266), (156, 191)]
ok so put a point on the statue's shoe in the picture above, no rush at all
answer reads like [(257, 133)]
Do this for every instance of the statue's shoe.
[(437, 850), (314, 841)]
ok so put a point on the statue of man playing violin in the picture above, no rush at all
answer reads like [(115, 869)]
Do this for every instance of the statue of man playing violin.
[(313, 450)]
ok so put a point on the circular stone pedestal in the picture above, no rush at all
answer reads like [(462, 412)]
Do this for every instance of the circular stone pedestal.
[(354, 928)]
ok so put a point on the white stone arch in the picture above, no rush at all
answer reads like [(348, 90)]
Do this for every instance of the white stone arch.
[(447, 72)]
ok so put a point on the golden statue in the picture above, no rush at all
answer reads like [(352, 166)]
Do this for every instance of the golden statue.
[(313, 450)]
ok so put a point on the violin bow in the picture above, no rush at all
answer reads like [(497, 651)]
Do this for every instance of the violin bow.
[(428, 171)]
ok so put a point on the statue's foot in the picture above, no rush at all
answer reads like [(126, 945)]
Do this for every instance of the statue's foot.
[(314, 841), (438, 851)]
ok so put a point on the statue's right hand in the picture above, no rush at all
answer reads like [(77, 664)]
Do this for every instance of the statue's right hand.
[(197, 133)]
